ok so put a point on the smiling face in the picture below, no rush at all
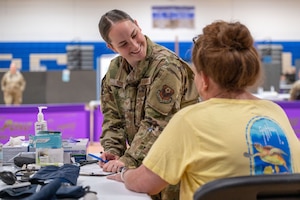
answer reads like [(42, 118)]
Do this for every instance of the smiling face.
[(127, 40)]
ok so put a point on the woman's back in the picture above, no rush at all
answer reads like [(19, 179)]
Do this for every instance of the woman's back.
[(228, 137)]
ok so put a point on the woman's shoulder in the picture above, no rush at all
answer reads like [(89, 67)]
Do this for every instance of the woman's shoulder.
[(116, 62), (161, 52), (163, 57), (158, 51), (114, 66)]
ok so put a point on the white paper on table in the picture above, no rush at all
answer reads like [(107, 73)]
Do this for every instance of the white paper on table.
[(93, 170)]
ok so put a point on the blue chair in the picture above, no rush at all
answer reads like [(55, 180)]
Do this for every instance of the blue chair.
[(262, 187)]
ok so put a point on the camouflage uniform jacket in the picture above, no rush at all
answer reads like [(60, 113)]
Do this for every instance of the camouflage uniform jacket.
[(13, 82), (138, 103)]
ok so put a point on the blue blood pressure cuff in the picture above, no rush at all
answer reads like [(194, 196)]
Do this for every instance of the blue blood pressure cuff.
[(67, 173), (31, 192), (50, 182)]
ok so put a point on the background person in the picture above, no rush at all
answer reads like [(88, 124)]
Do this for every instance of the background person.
[(143, 88), (295, 91), (231, 133), (13, 85)]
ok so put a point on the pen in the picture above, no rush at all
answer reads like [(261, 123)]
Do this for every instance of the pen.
[(98, 158)]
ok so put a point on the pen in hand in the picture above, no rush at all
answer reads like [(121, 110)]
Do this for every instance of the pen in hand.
[(98, 158)]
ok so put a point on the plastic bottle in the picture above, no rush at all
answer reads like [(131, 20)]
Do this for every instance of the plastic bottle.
[(40, 124)]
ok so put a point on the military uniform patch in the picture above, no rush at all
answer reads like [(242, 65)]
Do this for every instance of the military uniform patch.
[(164, 95)]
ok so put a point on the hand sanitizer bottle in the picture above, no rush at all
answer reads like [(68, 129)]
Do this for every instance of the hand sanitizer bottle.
[(40, 124)]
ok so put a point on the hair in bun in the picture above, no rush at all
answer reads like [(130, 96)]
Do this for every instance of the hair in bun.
[(226, 53), (235, 37)]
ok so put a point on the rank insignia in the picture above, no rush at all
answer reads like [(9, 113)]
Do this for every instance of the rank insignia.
[(164, 95)]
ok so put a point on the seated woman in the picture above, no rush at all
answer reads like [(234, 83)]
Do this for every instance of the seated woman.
[(230, 133)]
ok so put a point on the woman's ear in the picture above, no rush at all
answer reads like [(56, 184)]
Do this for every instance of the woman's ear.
[(204, 80), (111, 47)]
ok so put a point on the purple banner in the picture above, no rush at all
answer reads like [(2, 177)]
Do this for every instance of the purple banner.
[(73, 121), (292, 109)]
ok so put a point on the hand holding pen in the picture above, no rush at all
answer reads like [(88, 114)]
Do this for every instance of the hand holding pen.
[(98, 158), (111, 162)]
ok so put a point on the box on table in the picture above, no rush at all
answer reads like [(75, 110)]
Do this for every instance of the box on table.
[(9, 152), (76, 148), (49, 156), (48, 148)]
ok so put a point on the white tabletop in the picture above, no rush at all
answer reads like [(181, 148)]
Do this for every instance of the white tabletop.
[(109, 189), (106, 189)]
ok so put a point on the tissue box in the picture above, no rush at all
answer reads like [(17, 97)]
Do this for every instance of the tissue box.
[(76, 148), (46, 139), (9, 152)]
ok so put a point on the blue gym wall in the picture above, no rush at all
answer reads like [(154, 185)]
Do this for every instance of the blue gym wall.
[(23, 50)]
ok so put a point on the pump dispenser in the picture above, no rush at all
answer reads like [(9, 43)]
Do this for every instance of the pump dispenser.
[(40, 124)]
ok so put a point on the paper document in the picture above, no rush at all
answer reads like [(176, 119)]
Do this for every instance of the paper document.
[(93, 170)]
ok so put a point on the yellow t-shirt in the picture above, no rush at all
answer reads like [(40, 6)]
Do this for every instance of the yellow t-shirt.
[(224, 138)]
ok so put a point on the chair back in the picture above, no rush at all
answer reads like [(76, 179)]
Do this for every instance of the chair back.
[(262, 187)]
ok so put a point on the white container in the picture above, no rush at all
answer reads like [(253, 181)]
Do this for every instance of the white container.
[(40, 124), (9, 152)]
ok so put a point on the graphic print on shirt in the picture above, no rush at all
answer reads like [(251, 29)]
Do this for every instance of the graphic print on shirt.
[(268, 147)]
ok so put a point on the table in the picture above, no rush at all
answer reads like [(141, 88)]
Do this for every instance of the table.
[(273, 96), (109, 189), (106, 189)]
